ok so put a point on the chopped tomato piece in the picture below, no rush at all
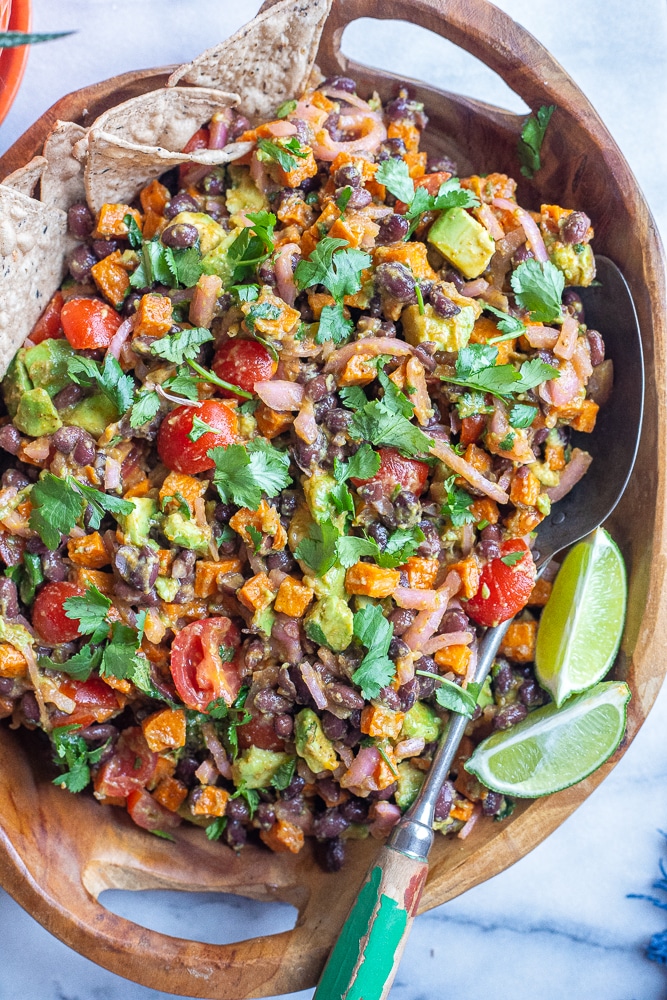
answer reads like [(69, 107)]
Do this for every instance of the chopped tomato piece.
[(148, 813), (395, 470), (504, 586), (48, 613), (243, 362), (48, 325), (89, 323), (132, 766), (200, 673), (175, 448)]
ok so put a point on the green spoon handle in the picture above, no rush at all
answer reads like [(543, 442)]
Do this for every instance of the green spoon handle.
[(365, 958)]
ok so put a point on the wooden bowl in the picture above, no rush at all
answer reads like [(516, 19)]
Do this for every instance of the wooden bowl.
[(15, 15), (58, 852)]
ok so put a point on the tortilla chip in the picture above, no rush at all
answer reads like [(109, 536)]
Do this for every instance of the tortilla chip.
[(26, 178), (32, 264), (167, 118), (62, 183), (267, 61), (116, 170)]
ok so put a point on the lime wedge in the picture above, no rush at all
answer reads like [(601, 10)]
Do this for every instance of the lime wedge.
[(582, 624), (554, 747)]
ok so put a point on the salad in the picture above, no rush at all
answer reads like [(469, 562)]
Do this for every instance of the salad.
[(278, 448)]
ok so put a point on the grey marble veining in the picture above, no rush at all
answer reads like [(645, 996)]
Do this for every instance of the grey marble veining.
[(558, 923)]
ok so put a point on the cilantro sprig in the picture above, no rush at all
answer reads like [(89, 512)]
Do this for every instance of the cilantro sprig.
[(374, 632), (378, 423), (476, 368), (286, 152), (532, 137), (243, 473), (252, 246), (457, 506), (538, 287), (509, 326), (395, 175), (58, 504), (338, 267), (163, 265), (181, 346), (73, 753), (108, 377)]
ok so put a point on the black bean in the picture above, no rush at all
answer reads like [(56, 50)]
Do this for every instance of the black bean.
[(522, 255), (309, 455), (540, 436), (131, 304), (80, 262), (180, 203), (343, 83), (9, 602), (491, 537), (294, 789), (454, 621), (492, 804), (393, 229), (397, 281), (509, 716), (408, 694), (424, 352), (398, 648), (338, 420), (10, 439), (456, 279), (397, 109), (239, 125), (530, 693), (390, 698), (237, 809), (431, 546), (84, 450), (12, 477), (440, 164), (330, 823), (266, 273), (80, 221), (265, 815), (282, 561), (352, 737), (402, 619), (235, 834), (133, 596), (102, 248), (283, 726), (347, 176), (384, 793), (380, 534), (53, 567), (181, 236), (443, 804), (359, 198), (333, 727), (387, 328), (442, 305), (29, 707), (343, 694), (355, 810), (98, 733), (68, 396), (391, 148), (574, 227), (596, 344), (270, 702), (332, 125), (502, 678), (426, 684), (574, 305), (407, 509), (6, 686), (333, 855), (66, 439), (185, 770)]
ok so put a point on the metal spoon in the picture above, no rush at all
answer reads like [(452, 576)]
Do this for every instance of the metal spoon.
[(365, 958)]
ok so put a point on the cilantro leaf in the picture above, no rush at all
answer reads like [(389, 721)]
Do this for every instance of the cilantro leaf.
[(199, 428), (90, 611), (216, 828), (512, 558), (534, 372), (244, 472), (244, 293), (376, 423), (283, 151), (509, 326), (538, 287), (333, 325), (341, 499), (79, 666), (522, 415), (474, 358), (470, 404), (395, 176), (263, 310), (101, 503), (338, 269), (181, 346), (457, 507), (187, 266), (532, 137), (374, 632), (318, 550), (350, 549), (120, 655), (72, 750), (134, 234), (255, 536), (146, 406), (353, 396), (166, 266), (362, 465), (449, 695), (285, 109), (283, 775), (452, 195), (183, 384), (316, 270), (110, 378), (375, 672), (395, 400), (343, 198), (476, 368), (400, 546), (55, 509)]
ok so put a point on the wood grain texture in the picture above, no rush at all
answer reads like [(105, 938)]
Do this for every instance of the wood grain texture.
[(58, 852)]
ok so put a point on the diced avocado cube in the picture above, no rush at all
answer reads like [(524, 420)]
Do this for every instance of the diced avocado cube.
[(317, 488), (422, 721), (217, 260), (485, 696), (36, 415), (330, 623), (137, 524), (576, 261), (188, 534), (463, 241), (255, 767), (331, 584), (210, 232), (167, 588), (264, 620), (449, 334), (15, 383), (46, 364), (409, 781), (244, 195), (316, 749), (94, 414)]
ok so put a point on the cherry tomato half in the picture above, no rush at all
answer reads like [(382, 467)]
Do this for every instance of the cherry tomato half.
[(395, 470), (150, 814), (95, 702), (503, 589), (200, 674), (175, 448), (48, 325), (259, 732), (197, 141), (89, 323), (48, 613), (243, 362), (132, 766)]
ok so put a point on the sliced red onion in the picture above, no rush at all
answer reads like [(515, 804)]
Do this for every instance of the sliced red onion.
[(351, 99), (207, 773), (280, 129), (427, 622), (280, 394), (120, 336), (112, 470), (473, 289), (446, 454), (446, 639), (218, 130), (530, 227), (284, 273), (310, 113), (359, 777), (384, 816), (259, 174), (373, 133), (467, 829), (567, 339), (305, 425), (505, 250), (217, 750), (490, 222), (411, 747), (561, 390), (369, 346), (38, 449), (314, 683), (541, 337), (205, 300), (417, 599), (177, 399), (581, 359), (575, 470)]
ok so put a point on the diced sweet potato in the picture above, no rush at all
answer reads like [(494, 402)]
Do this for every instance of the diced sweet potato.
[(12, 661), (153, 224), (111, 278), (485, 510), (478, 458), (540, 593), (357, 371), (455, 658), (462, 810), (279, 320), (421, 572), (318, 300), (118, 684), (585, 420), (154, 316), (208, 575), (468, 570), (140, 489), (256, 593), (416, 163), (413, 255), (348, 228), (407, 132), (94, 578), (178, 484), (554, 456), (294, 211), (210, 801), (519, 642), (165, 729), (171, 793), (166, 557), (293, 598), (271, 423), (164, 768), (110, 220), (371, 581), (381, 722), (283, 836), (89, 551), (172, 614), (522, 522), (265, 519), (525, 488), (154, 197)]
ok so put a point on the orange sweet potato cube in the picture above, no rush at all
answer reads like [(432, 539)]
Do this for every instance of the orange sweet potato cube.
[(468, 570), (110, 220), (94, 578), (522, 522), (210, 801), (154, 197), (165, 730), (271, 423), (208, 574), (89, 551), (462, 810), (111, 278), (283, 836), (540, 593), (485, 509), (381, 722), (455, 658), (525, 488), (171, 793), (371, 581), (256, 593), (421, 572), (154, 316), (12, 661), (153, 224), (585, 419), (519, 642), (178, 484), (357, 371), (405, 131), (293, 597), (554, 456)]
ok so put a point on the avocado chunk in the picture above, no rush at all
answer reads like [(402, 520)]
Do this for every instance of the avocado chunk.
[(485, 696), (256, 767), (15, 383), (46, 364), (217, 260), (575, 261), (137, 524), (94, 414), (36, 415), (316, 749), (264, 620), (188, 534), (317, 489), (449, 334), (210, 232), (421, 720), (409, 781), (244, 195), (463, 241), (167, 588), (330, 623)]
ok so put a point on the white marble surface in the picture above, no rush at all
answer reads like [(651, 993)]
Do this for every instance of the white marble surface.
[(558, 924)]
